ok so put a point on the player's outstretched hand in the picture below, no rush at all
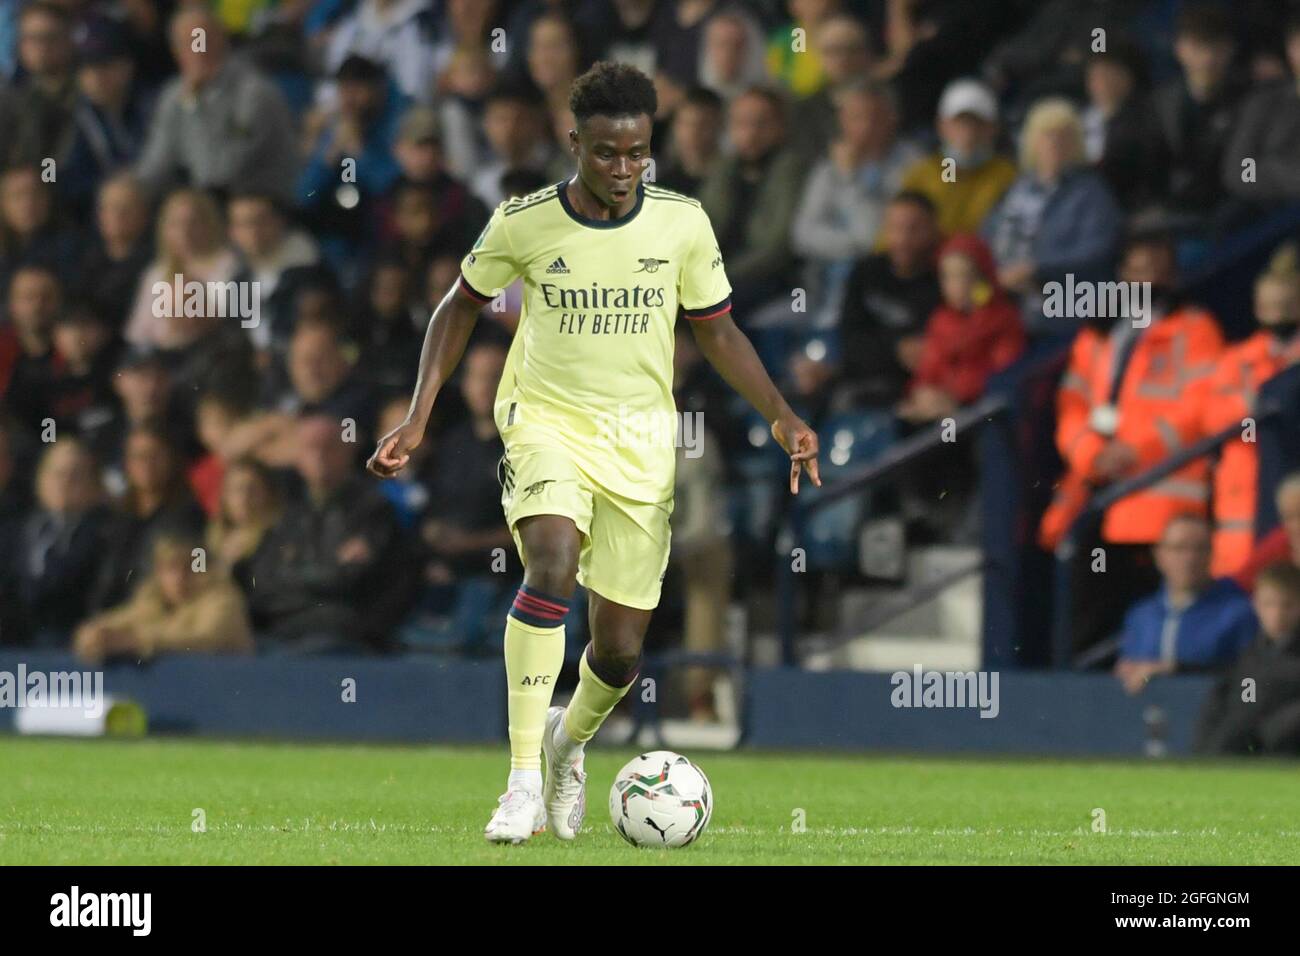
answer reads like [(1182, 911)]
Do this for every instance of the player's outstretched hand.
[(394, 450), (800, 443)]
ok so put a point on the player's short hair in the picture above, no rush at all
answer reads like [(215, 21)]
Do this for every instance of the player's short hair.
[(1283, 575), (612, 89)]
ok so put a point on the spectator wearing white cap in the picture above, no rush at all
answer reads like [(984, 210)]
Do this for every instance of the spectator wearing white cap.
[(966, 177)]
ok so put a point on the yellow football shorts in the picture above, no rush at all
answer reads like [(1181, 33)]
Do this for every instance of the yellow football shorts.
[(625, 543)]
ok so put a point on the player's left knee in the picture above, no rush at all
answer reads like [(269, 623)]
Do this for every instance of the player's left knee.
[(617, 666)]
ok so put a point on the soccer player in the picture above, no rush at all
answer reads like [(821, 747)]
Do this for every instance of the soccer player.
[(588, 471)]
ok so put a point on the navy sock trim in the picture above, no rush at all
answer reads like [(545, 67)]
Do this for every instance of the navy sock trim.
[(538, 609)]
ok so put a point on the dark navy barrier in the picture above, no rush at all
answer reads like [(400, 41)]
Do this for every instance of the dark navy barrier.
[(423, 700), (1038, 713), (412, 698)]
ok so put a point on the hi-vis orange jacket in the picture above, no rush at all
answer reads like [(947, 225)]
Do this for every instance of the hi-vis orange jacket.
[(1168, 370), (1230, 400)]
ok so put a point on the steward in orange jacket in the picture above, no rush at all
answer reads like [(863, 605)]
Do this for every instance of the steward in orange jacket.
[(1108, 430), (1241, 371)]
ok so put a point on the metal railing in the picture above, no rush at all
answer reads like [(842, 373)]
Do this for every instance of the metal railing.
[(885, 466)]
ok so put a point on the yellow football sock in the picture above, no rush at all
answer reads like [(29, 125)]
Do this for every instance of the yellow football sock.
[(591, 704), (534, 656)]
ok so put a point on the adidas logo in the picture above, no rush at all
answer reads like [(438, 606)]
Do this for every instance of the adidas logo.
[(557, 268)]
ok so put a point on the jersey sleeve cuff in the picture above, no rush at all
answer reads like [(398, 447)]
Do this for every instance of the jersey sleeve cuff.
[(472, 292), (709, 312)]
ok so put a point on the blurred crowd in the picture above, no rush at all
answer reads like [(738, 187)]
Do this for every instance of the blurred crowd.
[(894, 184)]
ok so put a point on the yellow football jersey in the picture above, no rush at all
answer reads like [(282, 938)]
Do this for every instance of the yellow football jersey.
[(591, 365)]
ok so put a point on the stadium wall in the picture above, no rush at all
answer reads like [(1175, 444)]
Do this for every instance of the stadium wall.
[(1037, 713), (427, 700)]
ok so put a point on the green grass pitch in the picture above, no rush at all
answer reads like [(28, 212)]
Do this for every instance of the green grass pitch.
[(129, 802)]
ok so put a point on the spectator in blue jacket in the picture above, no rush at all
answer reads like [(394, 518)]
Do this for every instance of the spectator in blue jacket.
[(1194, 622), (1059, 217), (336, 195)]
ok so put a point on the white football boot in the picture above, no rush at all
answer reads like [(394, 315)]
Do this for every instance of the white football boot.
[(519, 816), (565, 791)]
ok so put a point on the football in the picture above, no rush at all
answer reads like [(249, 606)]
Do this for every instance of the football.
[(660, 799)]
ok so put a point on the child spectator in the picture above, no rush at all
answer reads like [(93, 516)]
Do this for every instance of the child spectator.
[(974, 333), (1255, 708), (182, 606)]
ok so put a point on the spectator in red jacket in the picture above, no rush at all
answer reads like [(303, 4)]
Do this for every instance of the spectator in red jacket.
[(974, 332)]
